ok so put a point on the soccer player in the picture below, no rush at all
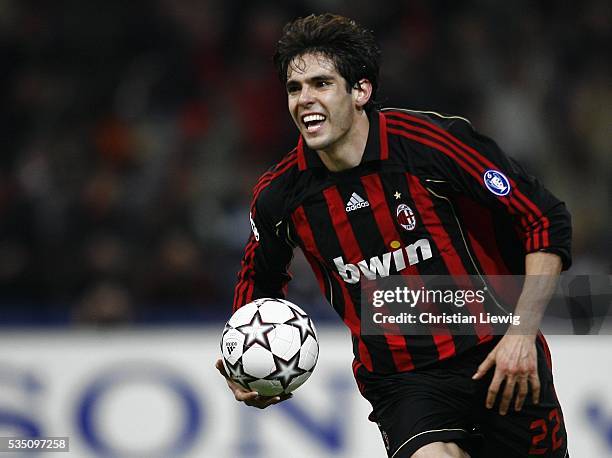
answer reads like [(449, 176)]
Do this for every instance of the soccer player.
[(364, 185)]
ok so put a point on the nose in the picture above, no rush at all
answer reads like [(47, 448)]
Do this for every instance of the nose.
[(306, 96)]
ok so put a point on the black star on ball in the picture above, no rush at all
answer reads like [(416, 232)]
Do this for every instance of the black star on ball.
[(237, 374), (286, 371), (256, 332), (303, 323)]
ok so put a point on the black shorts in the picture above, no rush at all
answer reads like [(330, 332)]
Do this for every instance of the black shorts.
[(444, 404)]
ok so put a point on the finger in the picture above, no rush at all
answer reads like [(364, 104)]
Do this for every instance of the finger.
[(245, 396), (221, 368), (273, 400), (493, 389), (484, 366), (534, 381), (282, 397), (261, 402), (507, 395), (521, 394), (256, 404), (279, 398)]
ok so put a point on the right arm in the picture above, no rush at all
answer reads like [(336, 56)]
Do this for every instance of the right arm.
[(265, 263), (263, 273)]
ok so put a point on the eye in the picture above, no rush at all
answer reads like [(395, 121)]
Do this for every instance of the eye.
[(293, 89), (323, 83)]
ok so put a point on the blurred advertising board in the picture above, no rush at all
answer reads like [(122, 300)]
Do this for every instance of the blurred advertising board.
[(155, 393)]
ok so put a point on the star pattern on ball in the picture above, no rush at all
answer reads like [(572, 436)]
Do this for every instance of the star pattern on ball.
[(303, 323), (286, 371), (256, 332), (237, 374)]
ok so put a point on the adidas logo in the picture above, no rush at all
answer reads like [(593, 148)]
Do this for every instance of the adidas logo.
[(355, 202), (230, 345)]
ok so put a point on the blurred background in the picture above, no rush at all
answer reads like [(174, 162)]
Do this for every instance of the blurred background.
[(133, 132)]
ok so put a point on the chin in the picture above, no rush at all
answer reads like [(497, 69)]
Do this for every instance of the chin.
[(316, 143)]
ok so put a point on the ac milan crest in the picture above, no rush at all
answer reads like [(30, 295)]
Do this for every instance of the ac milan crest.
[(405, 217)]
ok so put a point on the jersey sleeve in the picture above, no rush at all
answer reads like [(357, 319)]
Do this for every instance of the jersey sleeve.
[(267, 255), (476, 166)]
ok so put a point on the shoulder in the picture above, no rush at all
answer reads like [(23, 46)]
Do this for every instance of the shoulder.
[(400, 120), (425, 141), (272, 186), (425, 132)]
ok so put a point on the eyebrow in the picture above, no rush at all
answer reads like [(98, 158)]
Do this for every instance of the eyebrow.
[(312, 79)]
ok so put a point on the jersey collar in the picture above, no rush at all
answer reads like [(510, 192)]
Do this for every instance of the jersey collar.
[(377, 148)]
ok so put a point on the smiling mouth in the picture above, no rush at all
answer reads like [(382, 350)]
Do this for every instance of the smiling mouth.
[(313, 122)]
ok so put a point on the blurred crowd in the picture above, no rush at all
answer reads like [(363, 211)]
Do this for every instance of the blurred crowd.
[(134, 131)]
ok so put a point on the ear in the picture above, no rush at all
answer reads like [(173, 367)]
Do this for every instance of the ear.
[(362, 91)]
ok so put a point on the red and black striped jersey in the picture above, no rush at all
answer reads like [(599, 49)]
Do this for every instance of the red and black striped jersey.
[(431, 196)]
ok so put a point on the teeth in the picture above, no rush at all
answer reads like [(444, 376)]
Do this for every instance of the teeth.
[(313, 118)]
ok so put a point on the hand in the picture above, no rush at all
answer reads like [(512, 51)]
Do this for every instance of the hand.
[(516, 363), (250, 398)]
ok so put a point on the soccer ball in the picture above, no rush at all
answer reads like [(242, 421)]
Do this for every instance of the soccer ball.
[(269, 346)]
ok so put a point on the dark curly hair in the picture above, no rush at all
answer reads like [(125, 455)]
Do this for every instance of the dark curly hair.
[(352, 48)]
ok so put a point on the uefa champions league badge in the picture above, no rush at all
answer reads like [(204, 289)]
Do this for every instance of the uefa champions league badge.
[(496, 182), (405, 217)]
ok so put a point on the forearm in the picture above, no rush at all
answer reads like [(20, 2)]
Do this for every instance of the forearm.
[(542, 273)]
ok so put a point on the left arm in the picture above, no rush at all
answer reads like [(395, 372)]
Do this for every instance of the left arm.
[(515, 356), (476, 166)]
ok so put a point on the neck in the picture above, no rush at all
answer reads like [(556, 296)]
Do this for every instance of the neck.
[(347, 152)]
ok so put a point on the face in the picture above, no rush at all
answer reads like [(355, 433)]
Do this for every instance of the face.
[(319, 103)]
